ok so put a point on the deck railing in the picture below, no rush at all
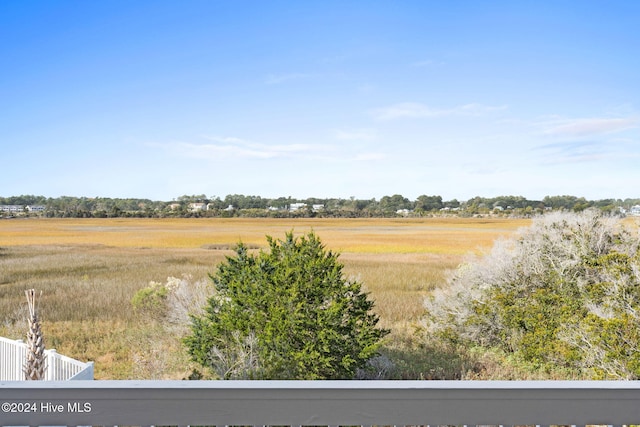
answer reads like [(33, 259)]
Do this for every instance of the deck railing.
[(13, 355), (329, 403)]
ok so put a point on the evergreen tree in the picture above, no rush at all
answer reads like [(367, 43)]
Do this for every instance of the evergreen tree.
[(288, 313)]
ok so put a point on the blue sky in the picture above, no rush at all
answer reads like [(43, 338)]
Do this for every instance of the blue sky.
[(157, 99)]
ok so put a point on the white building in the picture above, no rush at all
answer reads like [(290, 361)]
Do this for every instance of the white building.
[(196, 207), (11, 208)]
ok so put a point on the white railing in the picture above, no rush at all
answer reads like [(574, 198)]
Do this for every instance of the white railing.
[(13, 355), (329, 403)]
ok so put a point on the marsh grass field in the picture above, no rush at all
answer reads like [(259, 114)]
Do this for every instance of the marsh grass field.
[(89, 269)]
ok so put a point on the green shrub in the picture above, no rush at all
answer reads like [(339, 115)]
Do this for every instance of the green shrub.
[(287, 313), (151, 300)]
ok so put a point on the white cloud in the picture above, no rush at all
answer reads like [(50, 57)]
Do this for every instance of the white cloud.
[(405, 109), (613, 152), (233, 148), (585, 140), (574, 152), (588, 127), (419, 110), (217, 151)]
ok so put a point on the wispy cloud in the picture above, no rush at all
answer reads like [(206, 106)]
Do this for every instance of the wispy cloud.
[(573, 152), (415, 110), (231, 147), (580, 140), (588, 127)]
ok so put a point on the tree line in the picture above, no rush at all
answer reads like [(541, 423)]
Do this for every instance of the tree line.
[(256, 206)]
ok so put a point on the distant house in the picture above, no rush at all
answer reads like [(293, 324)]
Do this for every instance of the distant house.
[(174, 206), (296, 206), (12, 208), (197, 207), (635, 210), (317, 208), (35, 208)]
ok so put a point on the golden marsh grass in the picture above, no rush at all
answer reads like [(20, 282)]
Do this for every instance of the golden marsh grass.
[(430, 235), (89, 269)]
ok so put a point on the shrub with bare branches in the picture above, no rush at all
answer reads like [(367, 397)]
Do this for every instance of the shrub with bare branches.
[(565, 292)]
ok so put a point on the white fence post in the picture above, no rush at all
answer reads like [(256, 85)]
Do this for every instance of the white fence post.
[(51, 362), (12, 358)]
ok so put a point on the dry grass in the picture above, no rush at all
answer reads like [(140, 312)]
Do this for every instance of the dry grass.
[(399, 282), (431, 235), (89, 269)]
